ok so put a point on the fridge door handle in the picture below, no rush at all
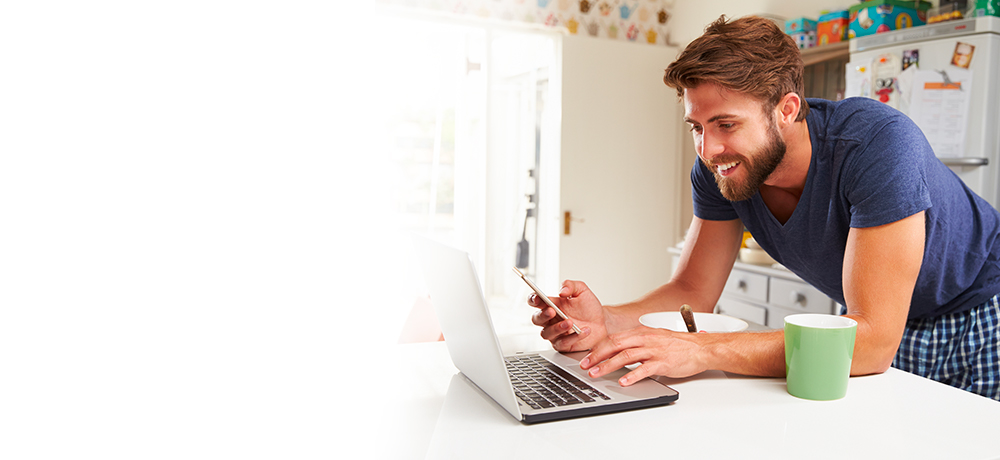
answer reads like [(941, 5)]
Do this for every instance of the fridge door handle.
[(965, 161)]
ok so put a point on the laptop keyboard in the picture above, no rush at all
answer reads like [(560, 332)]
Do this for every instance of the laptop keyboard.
[(541, 384)]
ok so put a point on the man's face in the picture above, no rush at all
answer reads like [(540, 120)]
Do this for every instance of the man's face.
[(734, 139)]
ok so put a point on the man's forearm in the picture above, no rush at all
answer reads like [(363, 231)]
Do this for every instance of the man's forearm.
[(747, 353), (668, 297)]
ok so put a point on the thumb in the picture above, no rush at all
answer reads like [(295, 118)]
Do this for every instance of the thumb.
[(571, 288)]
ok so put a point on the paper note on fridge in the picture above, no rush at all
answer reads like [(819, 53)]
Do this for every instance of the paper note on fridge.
[(858, 81), (939, 104)]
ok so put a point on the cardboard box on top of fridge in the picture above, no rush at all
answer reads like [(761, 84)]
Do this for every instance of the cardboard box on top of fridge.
[(799, 25), (832, 27), (884, 15), (804, 40)]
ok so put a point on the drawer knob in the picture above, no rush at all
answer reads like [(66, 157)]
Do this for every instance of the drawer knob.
[(798, 298), (742, 285)]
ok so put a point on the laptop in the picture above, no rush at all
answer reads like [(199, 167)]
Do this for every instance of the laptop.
[(533, 387)]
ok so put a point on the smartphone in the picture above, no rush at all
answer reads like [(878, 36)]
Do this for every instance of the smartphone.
[(545, 298)]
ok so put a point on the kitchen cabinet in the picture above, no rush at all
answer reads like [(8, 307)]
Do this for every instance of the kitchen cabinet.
[(766, 295), (823, 75)]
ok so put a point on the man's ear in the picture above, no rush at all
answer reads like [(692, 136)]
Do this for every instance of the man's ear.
[(788, 108)]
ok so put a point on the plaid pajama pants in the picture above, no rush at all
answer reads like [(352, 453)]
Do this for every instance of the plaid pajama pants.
[(961, 349)]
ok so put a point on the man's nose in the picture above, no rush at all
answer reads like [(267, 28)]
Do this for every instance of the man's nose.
[(710, 147)]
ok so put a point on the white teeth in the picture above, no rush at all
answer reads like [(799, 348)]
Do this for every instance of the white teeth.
[(725, 167)]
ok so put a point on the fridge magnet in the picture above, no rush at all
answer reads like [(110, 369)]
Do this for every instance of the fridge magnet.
[(885, 71), (911, 57), (963, 55)]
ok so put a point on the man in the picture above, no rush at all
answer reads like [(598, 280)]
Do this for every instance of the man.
[(847, 195)]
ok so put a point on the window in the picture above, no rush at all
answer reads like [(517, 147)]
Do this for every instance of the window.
[(472, 147)]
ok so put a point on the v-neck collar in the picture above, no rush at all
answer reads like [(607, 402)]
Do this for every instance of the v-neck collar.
[(758, 200)]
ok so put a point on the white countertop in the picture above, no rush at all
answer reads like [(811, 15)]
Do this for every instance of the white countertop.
[(440, 414)]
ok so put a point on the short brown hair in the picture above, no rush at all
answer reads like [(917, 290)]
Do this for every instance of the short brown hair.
[(749, 55)]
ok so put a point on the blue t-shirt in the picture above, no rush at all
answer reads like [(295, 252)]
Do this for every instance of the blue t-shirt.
[(871, 166)]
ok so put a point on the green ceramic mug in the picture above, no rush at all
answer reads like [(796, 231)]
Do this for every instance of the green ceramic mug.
[(818, 354)]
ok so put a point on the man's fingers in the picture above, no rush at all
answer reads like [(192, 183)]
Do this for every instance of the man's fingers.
[(534, 301), (620, 360), (556, 330), (636, 375), (571, 288), (543, 316), (572, 342), (617, 350)]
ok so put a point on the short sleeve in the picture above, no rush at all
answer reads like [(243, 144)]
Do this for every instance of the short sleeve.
[(709, 204), (888, 178)]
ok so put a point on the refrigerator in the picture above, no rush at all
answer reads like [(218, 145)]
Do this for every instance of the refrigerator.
[(946, 77)]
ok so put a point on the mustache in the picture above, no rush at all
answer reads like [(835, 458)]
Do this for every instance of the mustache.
[(722, 159)]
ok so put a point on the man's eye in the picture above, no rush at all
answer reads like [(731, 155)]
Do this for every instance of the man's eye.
[(696, 128), (727, 125)]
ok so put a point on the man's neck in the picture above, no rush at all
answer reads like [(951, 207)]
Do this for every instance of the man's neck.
[(790, 175), (782, 190)]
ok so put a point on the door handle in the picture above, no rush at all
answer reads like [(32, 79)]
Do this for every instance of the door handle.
[(567, 218)]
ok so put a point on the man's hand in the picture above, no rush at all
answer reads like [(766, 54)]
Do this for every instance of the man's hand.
[(658, 351), (582, 307)]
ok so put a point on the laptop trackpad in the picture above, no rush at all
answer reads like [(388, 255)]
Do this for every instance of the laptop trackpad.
[(608, 384)]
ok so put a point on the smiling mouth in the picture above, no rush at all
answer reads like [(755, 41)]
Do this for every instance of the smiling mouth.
[(725, 169)]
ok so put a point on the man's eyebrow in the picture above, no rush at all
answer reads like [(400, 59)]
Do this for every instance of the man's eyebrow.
[(723, 116)]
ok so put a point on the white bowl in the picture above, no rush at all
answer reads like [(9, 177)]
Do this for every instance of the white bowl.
[(755, 256), (708, 322)]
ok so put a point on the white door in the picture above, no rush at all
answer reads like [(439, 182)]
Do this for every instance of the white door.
[(620, 167)]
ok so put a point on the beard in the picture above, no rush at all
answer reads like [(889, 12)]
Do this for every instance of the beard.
[(766, 160)]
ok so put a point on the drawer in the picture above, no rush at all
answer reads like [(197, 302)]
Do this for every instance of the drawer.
[(799, 297), (776, 316), (750, 285), (740, 309)]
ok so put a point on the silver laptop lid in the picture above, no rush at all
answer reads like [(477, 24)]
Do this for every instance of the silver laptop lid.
[(465, 320)]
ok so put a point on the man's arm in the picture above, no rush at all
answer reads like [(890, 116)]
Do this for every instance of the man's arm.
[(710, 249), (705, 263), (881, 265)]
